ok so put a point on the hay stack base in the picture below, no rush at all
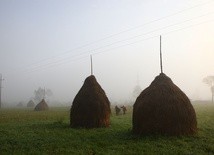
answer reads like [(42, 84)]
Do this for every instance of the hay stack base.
[(91, 107), (41, 106), (162, 108)]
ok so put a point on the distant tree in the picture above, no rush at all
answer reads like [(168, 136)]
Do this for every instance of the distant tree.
[(209, 80), (40, 94)]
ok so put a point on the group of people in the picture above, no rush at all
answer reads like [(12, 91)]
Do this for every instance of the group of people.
[(118, 109)]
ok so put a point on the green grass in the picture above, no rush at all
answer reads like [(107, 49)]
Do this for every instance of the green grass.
[(23, 131)]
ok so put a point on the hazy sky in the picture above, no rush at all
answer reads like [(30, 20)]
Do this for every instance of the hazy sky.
[(47, 43)]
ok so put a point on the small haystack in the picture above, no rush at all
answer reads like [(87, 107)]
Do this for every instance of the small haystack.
[(30, 104), (41, 106), (163, 108), (91, 107), (20, 104)]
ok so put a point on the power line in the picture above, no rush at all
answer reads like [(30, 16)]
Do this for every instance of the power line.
[(120, 41), (142, 25), (130, 38), (166, 33), (129, 44), (187, 27), (150, 22), (127, 30), (132, 43), (56, 63), (152, 31)]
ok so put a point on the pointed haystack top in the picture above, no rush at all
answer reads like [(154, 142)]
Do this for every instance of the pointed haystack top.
[(163, 108), (41, 106), (30, 103), (161, 79), (91, 82), (91, 107)]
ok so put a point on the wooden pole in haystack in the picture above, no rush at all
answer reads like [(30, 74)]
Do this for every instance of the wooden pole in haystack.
[(161, 62), (91, 65), (44, 93)]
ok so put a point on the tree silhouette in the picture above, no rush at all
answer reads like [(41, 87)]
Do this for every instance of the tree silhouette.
[(41, 93), (209, 80)]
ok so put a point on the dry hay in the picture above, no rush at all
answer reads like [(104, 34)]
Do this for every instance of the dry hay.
[(30, 104), (41, 106), (163, 108), (90, 107)]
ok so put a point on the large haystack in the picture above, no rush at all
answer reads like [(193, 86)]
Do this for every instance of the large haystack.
[(41, 106), (30, 104), (163, 108), (91, 107)]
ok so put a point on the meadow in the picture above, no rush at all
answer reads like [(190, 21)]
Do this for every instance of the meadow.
[(23, 131)]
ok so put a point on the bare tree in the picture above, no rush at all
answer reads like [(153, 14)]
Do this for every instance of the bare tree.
[(209, 80), (40, 94)]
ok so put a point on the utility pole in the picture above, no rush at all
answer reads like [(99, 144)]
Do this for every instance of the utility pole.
[(1, 79), (161, 63)]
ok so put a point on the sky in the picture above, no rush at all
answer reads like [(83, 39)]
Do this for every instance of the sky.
[(48, 43)]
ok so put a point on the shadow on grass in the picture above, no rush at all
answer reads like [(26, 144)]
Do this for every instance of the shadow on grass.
[(128, 135), (117, 134)]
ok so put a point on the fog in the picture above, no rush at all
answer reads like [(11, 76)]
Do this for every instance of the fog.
[(49, 43)]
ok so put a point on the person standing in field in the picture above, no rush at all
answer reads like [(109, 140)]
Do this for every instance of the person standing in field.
[(124, 109), (117, 110)]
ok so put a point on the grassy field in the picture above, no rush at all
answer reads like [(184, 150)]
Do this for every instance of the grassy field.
[(23, 131)]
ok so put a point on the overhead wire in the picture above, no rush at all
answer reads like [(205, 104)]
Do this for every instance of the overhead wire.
[(124, 31), (157, 36), (132, 43), (114, 43)]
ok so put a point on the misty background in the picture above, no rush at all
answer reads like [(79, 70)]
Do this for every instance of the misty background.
[(48, 43)]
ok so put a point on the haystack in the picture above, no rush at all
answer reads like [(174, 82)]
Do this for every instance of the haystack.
[(20, 104), (30, 104), (162, 108), (41, 106), (90, 107)]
